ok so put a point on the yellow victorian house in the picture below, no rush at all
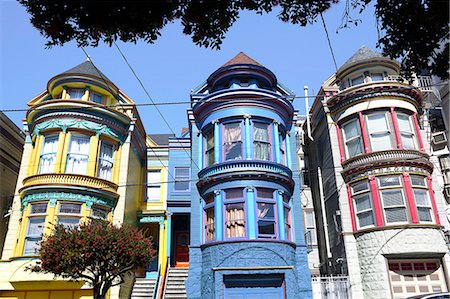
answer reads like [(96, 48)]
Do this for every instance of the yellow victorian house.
[(84, 156)]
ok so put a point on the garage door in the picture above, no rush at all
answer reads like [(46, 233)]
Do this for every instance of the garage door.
[(254, 286), (415, 277)]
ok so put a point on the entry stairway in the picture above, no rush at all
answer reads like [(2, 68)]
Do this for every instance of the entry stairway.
[(175, 283), (143, 288)]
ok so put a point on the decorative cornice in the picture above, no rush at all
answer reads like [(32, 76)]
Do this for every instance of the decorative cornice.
[(51, 196)]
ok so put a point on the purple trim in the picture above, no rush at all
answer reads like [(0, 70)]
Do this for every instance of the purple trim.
[(292, 244)]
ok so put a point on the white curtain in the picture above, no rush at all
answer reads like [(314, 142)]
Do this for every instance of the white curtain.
[(235, 221), (261, 141), (106, 161), (210, 230), (379, 132), (232, 141), (48, 156), (77, 158)]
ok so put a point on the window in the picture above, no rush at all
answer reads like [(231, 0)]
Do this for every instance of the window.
[(232, 141), (234, 213), (287, 215), (96, 97), (100, 213), (380, 135), (406, 131), (393, 199), (266, 213), (48, 154), (357, 80), (376, 76), (76, 93), (35, 228), (282, 148), (209, 218), (421, 198), (261, 141), (66, 209), (154, 185), (182, 178), (209, 152), (363, 204), (352, 138), (310, 228), (77, 157), (106, 160)]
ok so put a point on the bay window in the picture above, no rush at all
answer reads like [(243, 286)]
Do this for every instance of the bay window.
[(35, 229), (379, 132), (393, 199), (363, 204), (232, 141), (209, 152), (421, 198), (77, 157), (234, 213), (352, 138), (106, 160), (406, 130), (48, 154), (261, 141)]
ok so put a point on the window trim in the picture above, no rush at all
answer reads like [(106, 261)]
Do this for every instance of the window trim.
[(209, 152), (100, 159), (400, 187), (242, 140), (269, 142), (240, 200), (388, 125), (86, 156), (358, 194), (344, 136), (183, 179), (272, 201), (54, 136)]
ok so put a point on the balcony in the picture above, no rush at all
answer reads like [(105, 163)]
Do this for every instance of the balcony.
[(386, 158), (244, 168), (64, 180)]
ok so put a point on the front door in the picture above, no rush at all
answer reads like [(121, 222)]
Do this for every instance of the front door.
[(182, 249)]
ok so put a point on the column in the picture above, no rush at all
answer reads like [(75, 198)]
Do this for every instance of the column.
[(288, 150), (59, 153), (363, 133), (410, 198), (200, 151), (161, 252), (433, 200), (168, 234), (217, 143), (276, 143), (419, 135), (37, 152), (251, 213), (376, 201), (218, 216), (202, 222), (93, 153), (280, 208), (398, 138), (248, 138)]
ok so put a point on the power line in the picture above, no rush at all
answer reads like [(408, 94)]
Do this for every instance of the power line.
[(329, 41)]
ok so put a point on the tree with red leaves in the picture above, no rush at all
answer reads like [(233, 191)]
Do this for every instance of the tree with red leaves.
[(97, 252)]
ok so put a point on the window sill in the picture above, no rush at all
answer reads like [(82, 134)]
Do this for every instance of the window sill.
[(214, 243), (397, 226)]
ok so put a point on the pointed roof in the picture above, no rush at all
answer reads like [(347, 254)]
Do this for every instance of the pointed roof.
[(242, 58), (86, 68), (363, 53)]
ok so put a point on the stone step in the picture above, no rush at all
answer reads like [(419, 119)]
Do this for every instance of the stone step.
[(175, 287), (178, 296)]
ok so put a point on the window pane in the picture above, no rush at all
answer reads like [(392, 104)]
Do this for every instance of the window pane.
[(76, 94), (351, 130), (96, 97), (106, 160), (392, 198), (408, 141), (261, 132), (381, 141), (77, 158), (264, 193), (363, 202), (234, 193), (366, 219), (266, 227), (418, 180), (357, 80), (48, 154), (404, 123), (386, 181), (376, 77), (209, 147), (396, 215), (69, 221), (265, 210), (153, 192), (70, 208), (379, 132), (234, 220), (354, 147), (35, 226), (309, 219), (209, 226), (99, 213), (424, 214), (38, 208), (361, 186), (31, 246), (421, 197), (182, 177), (377, 122), (262, 151)]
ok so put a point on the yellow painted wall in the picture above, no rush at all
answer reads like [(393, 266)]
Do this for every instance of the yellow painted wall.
[(63, 294)]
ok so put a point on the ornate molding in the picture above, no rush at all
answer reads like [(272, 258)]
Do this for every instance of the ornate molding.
[(53, 197)]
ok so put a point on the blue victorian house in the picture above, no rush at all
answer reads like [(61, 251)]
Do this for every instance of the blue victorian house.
[(246, 228)]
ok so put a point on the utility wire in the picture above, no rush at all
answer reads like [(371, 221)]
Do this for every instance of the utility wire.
[(329, 41)]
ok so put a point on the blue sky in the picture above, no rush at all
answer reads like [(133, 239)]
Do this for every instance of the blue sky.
[(171, 67)]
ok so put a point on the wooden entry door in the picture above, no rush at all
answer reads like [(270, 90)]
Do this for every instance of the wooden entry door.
[(182, 249)]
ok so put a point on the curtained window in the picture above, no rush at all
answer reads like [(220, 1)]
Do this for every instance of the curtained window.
[(232, 141), (363, 204), (393, 199), (261, 141), (96, 97), (48, 154), (352, 138), (77, 157), (106, 160), (379, 132), (209, 152), (35, 228), (69, 214), (234, 213), (266, 213), (421, 198), (76, 93), (209, 226)]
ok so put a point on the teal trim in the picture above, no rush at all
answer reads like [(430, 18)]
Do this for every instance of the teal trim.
[(202, 221), (151, 219), (288, 150), (218, 203), (64, 124), (168, 235), (251, 213), (276, 142), (217, 147), (280, 208), (68, 196), (248, 139)]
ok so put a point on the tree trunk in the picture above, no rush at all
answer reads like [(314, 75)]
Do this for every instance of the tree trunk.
[(98, 294)]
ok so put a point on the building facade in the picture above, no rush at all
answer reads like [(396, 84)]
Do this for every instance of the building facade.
[(247, 237), (84, 157), (373, 183)]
